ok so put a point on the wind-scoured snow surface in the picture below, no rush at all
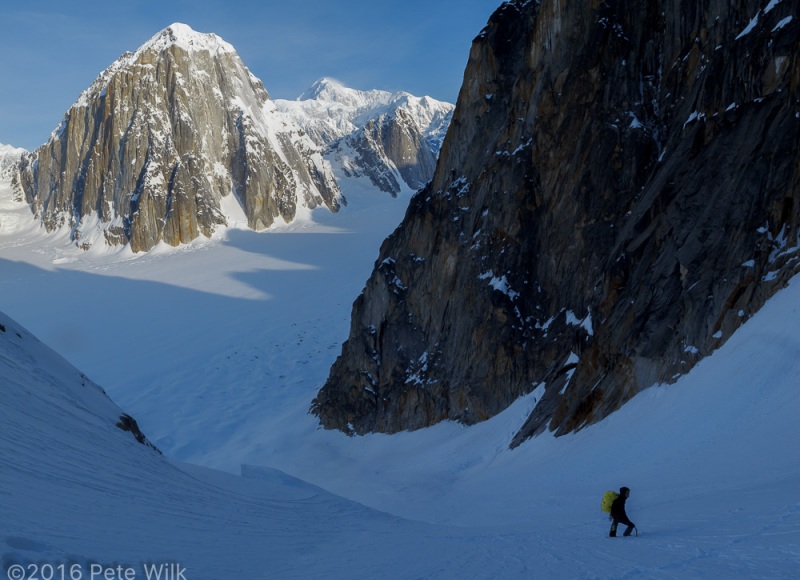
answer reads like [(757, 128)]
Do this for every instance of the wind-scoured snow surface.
[(217, 349)]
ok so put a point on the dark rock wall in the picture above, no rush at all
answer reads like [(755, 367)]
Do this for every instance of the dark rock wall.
[(617, 193)]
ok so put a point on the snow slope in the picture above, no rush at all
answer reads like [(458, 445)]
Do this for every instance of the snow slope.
[(80, 494), (217, 352)]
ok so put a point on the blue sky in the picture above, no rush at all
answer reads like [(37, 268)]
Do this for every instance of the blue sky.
[(50, 51)]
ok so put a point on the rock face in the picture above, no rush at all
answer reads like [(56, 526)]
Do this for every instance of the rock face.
[(153, 145), (391, 139), (617, 193)]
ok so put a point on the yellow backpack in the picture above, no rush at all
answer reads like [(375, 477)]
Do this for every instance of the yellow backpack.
[(608, 499)]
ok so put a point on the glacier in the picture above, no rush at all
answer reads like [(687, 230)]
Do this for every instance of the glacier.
[(217, 353)]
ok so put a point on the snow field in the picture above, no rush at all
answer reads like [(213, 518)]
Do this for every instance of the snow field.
[(217, 349)]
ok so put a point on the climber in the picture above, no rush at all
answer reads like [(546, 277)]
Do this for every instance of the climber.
[(618, 515)]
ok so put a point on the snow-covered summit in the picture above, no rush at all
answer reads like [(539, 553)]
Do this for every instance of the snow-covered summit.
[(330, 90), (9, 155), (10, 151), (176, 34), (183, 36), (342, 109), (9, 158)]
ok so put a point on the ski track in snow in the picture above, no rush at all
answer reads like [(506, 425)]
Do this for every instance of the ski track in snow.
[(217, 349)]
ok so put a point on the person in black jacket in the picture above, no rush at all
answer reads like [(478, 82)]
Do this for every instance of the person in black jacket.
[(618, 515)]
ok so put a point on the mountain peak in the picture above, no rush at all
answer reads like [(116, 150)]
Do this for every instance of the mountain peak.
[(330, 90), (327, 83), (9, 155), (326, 89), (185, 37), (10, 150), (148, 113)]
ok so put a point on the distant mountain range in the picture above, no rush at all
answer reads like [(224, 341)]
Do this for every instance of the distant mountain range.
[(392, 139), (151, 149)]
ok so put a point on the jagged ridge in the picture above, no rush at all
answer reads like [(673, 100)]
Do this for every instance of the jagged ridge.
[(392, 139)]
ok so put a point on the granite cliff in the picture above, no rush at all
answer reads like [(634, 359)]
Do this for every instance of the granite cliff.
[(149, 150), (617, 193)]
